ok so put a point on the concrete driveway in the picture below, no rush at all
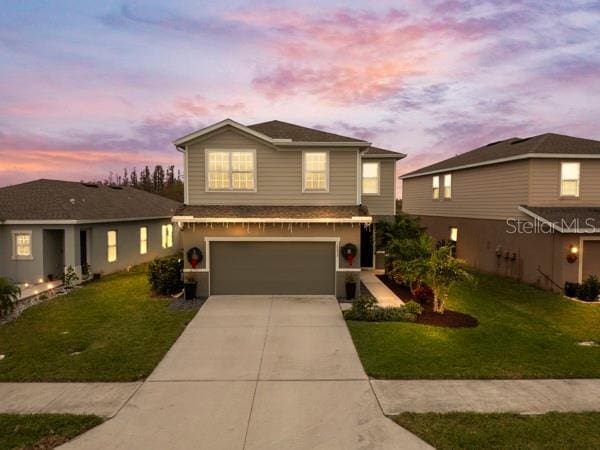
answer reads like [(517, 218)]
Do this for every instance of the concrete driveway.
[(256, 372)]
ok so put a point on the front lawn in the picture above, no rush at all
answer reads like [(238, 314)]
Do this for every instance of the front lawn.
[(505, 431), (107, 330), (523, 332), (42, 431)]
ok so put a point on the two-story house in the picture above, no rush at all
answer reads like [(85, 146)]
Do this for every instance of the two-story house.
[(526, 208), (270, 208)]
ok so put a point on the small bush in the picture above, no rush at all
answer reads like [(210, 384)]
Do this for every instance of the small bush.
[(164, 275), (9, 295), (69, 277), (571, 289), (423, 294), (589, 290), (365, 309)]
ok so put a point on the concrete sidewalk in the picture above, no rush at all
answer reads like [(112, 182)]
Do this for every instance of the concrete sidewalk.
[(384, 295), (487, 396), (101, 399)]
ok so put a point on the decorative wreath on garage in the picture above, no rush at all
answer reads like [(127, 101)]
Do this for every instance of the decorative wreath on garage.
[(194, 256), (349, 252)]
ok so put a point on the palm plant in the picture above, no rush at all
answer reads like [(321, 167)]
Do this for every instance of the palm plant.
[(443, 271), (9, 295), (410, 259)]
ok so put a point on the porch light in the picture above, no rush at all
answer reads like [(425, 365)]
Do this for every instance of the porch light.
[(573, 252)]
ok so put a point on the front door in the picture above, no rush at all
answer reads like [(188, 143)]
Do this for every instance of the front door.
[(366, 246)]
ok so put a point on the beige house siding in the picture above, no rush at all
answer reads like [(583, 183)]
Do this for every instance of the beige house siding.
[(278, 174), (545, 183), (194, 236), (384, 203), (489, 192)]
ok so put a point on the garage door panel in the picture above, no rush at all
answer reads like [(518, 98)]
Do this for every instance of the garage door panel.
[(241, 267)]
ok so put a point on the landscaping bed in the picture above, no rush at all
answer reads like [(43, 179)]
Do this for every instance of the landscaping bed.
[(42, 431), (449, 319), (505, 431)]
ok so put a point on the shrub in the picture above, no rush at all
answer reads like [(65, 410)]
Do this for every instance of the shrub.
[(571, 289), (423, 294), (164, 275), (589, 289), (365, 309), (69, 278), (9, 295)]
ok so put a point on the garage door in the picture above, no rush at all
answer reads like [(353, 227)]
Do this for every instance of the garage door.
[(272, 268), (591, 258)]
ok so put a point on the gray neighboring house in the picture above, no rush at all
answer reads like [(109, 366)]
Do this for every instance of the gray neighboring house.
[(526, 208), (270, 207), (47, 225)]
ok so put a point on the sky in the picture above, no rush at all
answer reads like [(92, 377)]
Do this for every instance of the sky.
[(92, 87)]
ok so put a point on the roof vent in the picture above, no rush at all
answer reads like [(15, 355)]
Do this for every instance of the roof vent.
[(518, 141), (118, 188), (92, 185)]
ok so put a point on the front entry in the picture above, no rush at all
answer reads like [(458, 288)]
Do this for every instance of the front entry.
[(366, 246), (54, 254), (248, 267)]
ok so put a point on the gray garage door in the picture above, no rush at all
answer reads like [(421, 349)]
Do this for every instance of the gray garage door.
[(591, 258), (272, 268)]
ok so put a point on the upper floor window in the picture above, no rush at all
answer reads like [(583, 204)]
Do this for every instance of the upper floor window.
[(447, 186), (569, 179), (111, 246), (22, 245), (370, 178), (230, 170), (167, 236), (436, 187), (143, 240), (315, 171)]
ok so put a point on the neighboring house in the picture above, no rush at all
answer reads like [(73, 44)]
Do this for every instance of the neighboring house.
[(271, 205), (47, 225), (526, 208)]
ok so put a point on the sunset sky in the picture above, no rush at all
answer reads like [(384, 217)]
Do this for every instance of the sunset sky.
[(89, 87)]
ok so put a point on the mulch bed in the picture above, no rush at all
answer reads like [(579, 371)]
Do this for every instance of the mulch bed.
[(450, 319)]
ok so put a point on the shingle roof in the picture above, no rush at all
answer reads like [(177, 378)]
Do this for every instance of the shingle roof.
[(376, 151), (67, 200), (568, 219), (548, 143), (277, 129), (271, 212)]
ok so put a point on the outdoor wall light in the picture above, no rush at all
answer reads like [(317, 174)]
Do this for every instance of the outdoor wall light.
[(573, 252)]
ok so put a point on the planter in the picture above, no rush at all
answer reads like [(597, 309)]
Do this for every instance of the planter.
[(350, 291), (189, 289)]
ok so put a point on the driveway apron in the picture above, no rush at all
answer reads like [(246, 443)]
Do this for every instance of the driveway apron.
[(256, 372)]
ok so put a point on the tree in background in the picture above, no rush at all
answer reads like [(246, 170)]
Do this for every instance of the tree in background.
[(133, 178)]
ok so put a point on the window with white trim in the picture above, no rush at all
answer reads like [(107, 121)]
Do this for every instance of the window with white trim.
[(230, 170), (435, 183), (22, 245), (316, 168), (570, 173), (143, 240), (370, 178), (167, 236), (111, 246), (448, 186)]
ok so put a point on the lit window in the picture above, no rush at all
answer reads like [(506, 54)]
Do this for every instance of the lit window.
[(231, 170), (167, 236), (22, 248), (370, 178), (448, 186), (436, 187), (569, 179), (143, 240), (111, 240), (453, 234), (315, 171)]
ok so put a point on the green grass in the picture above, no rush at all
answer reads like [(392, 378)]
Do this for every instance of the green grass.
[(120, 331), (560, 431), (42, 430), (523, 332)]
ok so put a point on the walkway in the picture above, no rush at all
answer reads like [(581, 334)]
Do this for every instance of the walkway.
[(256, 372), (384, 295), (488, 396), (101, 399)]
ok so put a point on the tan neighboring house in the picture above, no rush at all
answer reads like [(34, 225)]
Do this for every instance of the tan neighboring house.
[(270, 206), (525, 208), (46, 225)]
